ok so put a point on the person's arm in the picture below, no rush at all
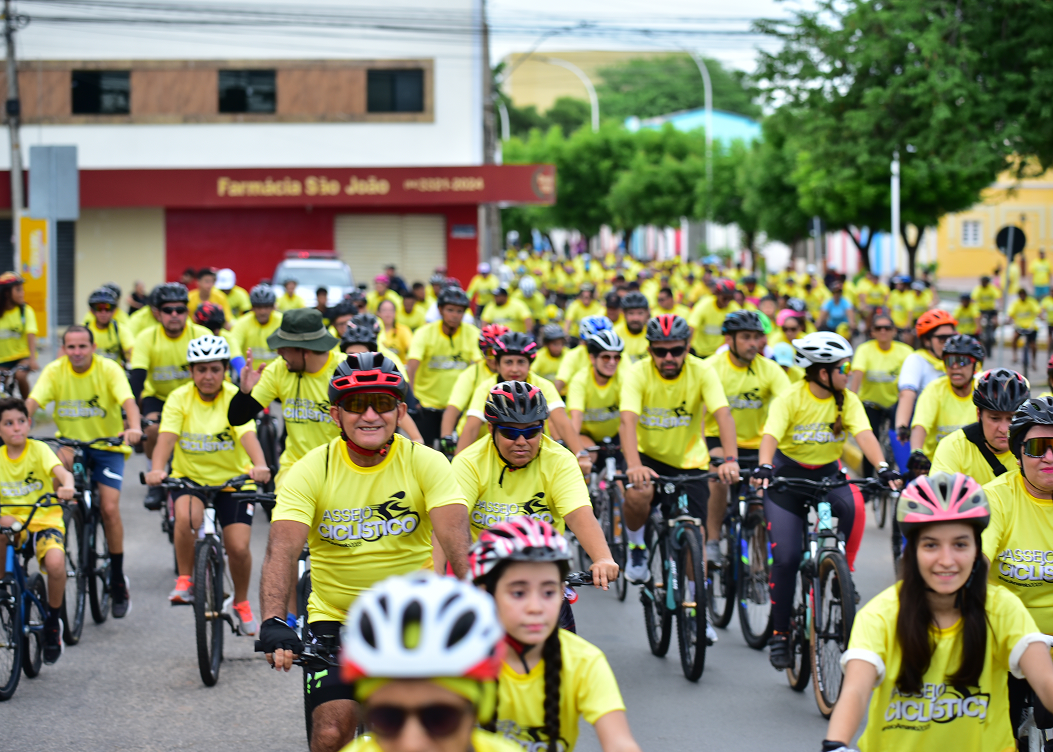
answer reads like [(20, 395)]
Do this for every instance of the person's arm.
[(824, 314), (470, 433), (31, 341), (614, 733), (259, 471), (918, 435), (137, 380), (450, 416), (851, 708), (582, 522), (855, 381), (64, 477), (577, 417), (450, 524), (134, 433), (904, 410), (729, 469), (243, 407), (31, 407), (408, 425), (284, 544), (162, 452), (411, 371)]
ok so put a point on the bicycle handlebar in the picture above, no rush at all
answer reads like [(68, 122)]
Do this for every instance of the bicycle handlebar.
[(578, 579), (186, 483), (827, 484), (78, 444), (19, 525), (308, 657)]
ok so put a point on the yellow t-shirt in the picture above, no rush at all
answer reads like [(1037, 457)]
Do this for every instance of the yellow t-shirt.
[(484, 286), (1024, 312), (870, 294), (550, 487), (1047, 309), (574, 362), (1040, 273), (208, 450), (415, 319), (373, 299), (941, 412), (465, 386), (441, 361), (478, 402), (482, 741), (546, 365), (365, 523), (901, 307), (115, 341), (635, 344), (880, 371), (24, 480), (512, 314), (803, 424), (289, 302), (1019, 544), (249, 333), (576, 312), (597, 404), (968, 318), (940, 717), (706, 319), (670, 426), (87, 405), (164, 358), (238, 299), (140, 320), (397, 339), (587, 689), (15, 327), (987, 297), (216, 296), (535, 304), (956, 454), (305, 405), (749, 391)]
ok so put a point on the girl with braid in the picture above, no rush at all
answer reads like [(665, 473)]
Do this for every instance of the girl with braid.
[(550, 677), (804, 436)]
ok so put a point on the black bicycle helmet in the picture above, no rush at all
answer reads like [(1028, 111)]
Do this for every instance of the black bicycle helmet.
[(964, 344), (210, 315), (668, 327), (1000, 390), (452, 296), (112, 287), (358, 335), (1037, 411), (262, 296), (344, 308), (366, 372), (102, 295), (634, 300), (367, 321), (742, 321), (552, 332), (613, 300), (515, 343), (796, 305), (515, 402), (170, 292)]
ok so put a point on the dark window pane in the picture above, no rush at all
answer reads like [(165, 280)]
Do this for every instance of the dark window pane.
[(101, 92), (395, 91), (246, 91), (65, 248)]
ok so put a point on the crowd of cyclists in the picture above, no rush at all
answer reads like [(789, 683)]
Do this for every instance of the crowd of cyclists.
[(439, 430)]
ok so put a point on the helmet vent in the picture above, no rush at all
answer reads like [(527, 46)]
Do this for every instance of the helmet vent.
[(461, 628), (367, 631), (411, 619)]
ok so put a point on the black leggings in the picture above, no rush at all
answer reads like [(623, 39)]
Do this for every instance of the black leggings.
[(1020, 693), (879, 418)]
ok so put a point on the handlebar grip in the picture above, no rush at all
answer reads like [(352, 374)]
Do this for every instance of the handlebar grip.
[(257, 646), (142, 477)]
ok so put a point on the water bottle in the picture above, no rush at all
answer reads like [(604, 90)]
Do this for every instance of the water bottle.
[(825, 519)]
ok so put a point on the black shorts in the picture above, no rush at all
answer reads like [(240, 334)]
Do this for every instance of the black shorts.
[(151, 405), (745, 455), (324, 685), (7, 365), (228, 511), (697, 491)]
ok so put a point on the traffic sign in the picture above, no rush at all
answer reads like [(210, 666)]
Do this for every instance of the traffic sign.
[(1011, 240)]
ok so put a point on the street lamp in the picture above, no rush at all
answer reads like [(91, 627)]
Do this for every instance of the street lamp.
[(593, 99)]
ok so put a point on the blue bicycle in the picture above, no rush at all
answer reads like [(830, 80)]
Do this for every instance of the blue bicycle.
[(23, 605)]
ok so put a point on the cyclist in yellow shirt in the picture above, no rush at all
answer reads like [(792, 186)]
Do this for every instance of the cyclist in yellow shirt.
[(901, 307), (667, 304), (251, 331), (455, 415), (411, 312), (527, 294), (211, 316), (396, 337), (583, 306), (381, 291), (112, 339), (576, 359), (205, 448), (507, 311), (1024, 312), (480, 287), (207, 292), (237, 297), (593, 395), (636, 312), (89, 392), (707, 318), (289, 299), (18, 330), (550, 355), (923, 366), (968, 315)]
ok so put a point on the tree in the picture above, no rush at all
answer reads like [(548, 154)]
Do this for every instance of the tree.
[(569, 114), (725, 200), (646, 87), (659, 185)]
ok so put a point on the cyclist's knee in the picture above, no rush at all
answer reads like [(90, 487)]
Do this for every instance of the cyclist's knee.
[(332, 725)]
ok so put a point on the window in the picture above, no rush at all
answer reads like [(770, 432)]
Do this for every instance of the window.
[(101, 92), (395, 90), (971, 233), (246, 91)]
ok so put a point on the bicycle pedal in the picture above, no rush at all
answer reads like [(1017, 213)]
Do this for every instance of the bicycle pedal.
[(689, 604)]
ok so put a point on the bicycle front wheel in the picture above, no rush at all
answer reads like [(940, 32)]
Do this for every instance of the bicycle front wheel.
[(754, 593), (75, 599), (208, 609), (33, 631), (801, 670), (657, 618), (11, 643), (268, 437), (834, 610), (721, 580), (691, 607), (617, 540), (98, 567), (303, 593)]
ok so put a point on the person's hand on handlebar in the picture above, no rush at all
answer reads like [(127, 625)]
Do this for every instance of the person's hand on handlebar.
[(603, 571), (728, 472), (762, 476), (279, 641), (65, 492), (260, 474), (903, 434), (132, 436), (585, 463), (639, 475), (890, 477), (155, 477)]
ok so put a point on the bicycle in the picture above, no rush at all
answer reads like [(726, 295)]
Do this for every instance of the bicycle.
[(9, 380), (880, 502), (676, 584), (213, 588), (314, 658), (607, 501), (23, 599), (269, 437), (822, 616), (1030, 730), (1030, 337), (989, 328)]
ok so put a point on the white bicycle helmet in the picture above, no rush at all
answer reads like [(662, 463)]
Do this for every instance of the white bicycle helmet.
[(605, 341), (422, 626), (206, 349), (821, 347), (527, 286)]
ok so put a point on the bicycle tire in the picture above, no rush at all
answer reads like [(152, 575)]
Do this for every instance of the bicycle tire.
[(75, 600), (11, 647), (617, 543), (268, 436), (754, 592), (897, 548), (657, 618), (882, 512), (97, 567), (721, 584), (834, 611), (33, 629), (208, 605), (691, 614), (801, 670), (303, 593)]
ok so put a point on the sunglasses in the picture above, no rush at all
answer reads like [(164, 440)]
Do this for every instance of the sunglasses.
[(942, 337), (174, 310), (360, 402), (438, 720), (609, 357), (1038, 447), (102, 307), (883, 328), (845, 368), (513, 434), (664, 352), (958, 361)]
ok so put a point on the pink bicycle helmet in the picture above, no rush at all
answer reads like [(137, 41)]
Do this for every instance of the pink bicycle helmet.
[(942, 497), (516, 539), (786, 314)]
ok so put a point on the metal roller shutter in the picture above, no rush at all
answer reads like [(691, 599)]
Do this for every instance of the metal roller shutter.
[(65, 248), (414, 243)]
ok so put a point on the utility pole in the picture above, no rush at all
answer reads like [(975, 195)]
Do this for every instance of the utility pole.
[(490, 242), (13, 108), (894, 241)]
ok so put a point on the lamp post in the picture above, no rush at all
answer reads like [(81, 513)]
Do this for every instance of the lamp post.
[(593, 99)]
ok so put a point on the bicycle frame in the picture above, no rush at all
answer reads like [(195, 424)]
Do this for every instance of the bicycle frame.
[(15, 557)]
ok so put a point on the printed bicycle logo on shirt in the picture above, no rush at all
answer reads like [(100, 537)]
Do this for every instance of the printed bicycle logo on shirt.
[(937, 703), (883, 377), (447, 363), (171, 373), (750, 400), (601, 414), (207, 443), (350, 526), (530, 738), (1025, 566), (306, 411), (663, 417), (80, 408), (816, 433), (14, 489), (486, 514)]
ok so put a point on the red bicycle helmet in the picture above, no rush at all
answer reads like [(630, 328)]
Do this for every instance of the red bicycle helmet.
[(515, 343), (942, 497), (930, 320), (210, 315), (724, 287), (366, 372), (516, 539), (667, 327), (488, 335)]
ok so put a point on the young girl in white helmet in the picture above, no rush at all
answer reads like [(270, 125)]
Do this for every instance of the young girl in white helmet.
[(804, 436), (550, 677)]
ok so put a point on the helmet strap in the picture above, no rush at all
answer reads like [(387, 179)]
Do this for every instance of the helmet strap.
[(959, 597), (507, 465), (520, 649), (352, 446)]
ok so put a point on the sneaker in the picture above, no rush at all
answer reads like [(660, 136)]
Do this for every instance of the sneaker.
[(779, 651), (713, 554), (53, 647), (155, 498), (637, 572), (120, 599), (183, 594), (711, 634), (246, 621)]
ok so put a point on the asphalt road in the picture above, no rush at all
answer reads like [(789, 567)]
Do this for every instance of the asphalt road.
[(134, 684)]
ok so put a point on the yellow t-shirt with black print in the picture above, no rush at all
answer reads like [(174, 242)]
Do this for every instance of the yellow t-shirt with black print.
[(164, 358), (441, 358), (941, 412), (115, 341), (956, 454), (597, 404), (26, 479), (249, 333), (749, 391), (803, 424)]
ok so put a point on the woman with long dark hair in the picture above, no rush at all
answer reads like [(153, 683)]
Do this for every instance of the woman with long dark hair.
[(18, 330), (930, 654)]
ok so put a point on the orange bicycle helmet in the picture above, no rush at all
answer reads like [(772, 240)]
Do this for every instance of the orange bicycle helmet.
[(933, 319)]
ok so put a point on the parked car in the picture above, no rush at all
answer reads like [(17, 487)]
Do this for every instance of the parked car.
[(311, 270)]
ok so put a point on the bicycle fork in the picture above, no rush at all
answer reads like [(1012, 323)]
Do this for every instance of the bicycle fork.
[(210, 535)]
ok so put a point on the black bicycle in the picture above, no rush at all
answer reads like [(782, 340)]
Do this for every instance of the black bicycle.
[(270, 442), (9, 380), (882, 502), (606, 495)]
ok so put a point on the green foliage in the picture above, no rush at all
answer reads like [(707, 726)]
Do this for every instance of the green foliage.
[(646, 87), (569, 114), (764, 181)]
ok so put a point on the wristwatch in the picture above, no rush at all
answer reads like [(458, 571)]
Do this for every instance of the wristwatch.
[(582, 453)]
